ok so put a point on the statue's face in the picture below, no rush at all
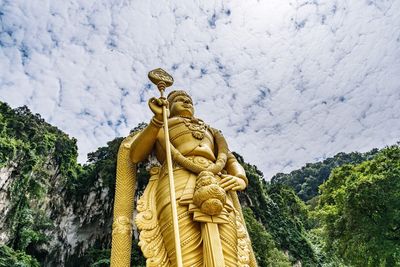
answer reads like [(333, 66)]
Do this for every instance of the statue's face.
[(182, 106)]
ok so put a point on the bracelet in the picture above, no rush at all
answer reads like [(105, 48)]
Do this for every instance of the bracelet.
[(156, 122)]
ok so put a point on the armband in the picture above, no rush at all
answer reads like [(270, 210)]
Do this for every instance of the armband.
[(156, 122)]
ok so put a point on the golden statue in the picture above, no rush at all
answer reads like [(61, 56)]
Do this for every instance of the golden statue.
[(203, 225)]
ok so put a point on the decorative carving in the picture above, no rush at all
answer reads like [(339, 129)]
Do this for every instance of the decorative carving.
[(122, 225), (196, 126), (123, 206), (160, 75), (208, 195), (150, 237)]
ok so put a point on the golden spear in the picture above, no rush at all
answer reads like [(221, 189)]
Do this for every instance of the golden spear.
[(162, 79)]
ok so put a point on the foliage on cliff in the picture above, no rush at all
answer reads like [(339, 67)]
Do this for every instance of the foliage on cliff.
[(305, 181), (281, 213), (265, 249), (29, 137), (359, 211), (43, 162), (28, 145), (9, 257)]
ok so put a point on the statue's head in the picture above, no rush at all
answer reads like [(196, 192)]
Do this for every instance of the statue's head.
[(180, 104)]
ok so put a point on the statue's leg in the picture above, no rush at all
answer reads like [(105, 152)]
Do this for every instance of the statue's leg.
[(191, 243), (190, 234)]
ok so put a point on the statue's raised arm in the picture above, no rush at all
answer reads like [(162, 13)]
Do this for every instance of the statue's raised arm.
[(206, 177), (145, 140)]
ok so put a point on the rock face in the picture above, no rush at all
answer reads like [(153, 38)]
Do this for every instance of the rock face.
[(75, 226), (52, 208), (5, 182), (78, 224)]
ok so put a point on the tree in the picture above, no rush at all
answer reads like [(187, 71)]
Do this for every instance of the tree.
[(359, 208), (265, 249), (305, 181)]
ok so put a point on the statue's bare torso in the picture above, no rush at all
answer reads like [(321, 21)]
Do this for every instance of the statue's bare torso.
[(183, 139)]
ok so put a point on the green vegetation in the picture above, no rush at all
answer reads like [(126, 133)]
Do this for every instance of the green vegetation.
[(305, 181), (9, 257), (267, 254), (101, 167), (39, 154), (354, 222), (28, 145), (359, 208), (281, 213), (25, 134)]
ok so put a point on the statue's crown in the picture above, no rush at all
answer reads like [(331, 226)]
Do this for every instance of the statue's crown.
[(171, 96)]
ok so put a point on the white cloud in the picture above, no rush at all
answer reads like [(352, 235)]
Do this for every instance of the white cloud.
[(288, 82)]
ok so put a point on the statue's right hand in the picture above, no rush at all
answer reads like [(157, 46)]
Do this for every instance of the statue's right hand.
[(156, 106)]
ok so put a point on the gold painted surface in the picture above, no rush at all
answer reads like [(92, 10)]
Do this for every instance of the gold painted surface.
[(150, 239), (123, 206), (160, 75), (206, 177)]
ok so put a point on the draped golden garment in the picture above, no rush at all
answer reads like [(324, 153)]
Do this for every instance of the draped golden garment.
[(192, 243)]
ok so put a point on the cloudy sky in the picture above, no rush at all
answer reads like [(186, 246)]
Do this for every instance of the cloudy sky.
[(287, 81)]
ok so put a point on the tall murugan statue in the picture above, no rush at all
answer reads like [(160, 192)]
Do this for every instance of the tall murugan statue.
[(195, 219)]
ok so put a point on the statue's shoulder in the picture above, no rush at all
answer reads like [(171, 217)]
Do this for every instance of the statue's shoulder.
[(172, 123), (127, 141)]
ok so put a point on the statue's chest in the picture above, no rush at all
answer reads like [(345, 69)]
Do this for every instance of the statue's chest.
[(190, 130)]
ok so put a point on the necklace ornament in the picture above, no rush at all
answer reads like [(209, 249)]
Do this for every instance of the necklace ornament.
[(196, 126)]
